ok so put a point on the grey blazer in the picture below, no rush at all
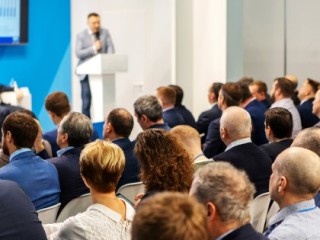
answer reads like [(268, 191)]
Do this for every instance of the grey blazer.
[(85, 49)]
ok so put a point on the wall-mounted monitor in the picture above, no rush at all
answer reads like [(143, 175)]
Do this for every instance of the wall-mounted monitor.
[(13, 22)]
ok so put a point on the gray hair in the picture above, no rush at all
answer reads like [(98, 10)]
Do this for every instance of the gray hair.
[(78, 127), (228, 188), (150, 106), (308, 138)]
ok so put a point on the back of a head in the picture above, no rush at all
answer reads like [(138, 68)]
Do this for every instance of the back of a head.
[(179, 93), (313, 84), (293, 79), (150, 106), (261, 86), (121, 121), (102, 164), (232, 94), (286, 87), (246, 80), (308, 138), (228, 188), (187, 136), (78, 127), (22, 127), (170, 216), (167, 95), (301, 167), (58, 103), (280, 121), (237, 122), (246, 94), (215, 88)]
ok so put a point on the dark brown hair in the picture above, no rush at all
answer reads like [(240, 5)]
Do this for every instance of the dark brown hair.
[(58, 103)]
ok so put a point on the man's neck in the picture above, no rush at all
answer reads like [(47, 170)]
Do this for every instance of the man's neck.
[(291, 199)]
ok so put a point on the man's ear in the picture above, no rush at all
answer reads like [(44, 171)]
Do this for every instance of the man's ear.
[(223, 132), (8, 137), (282, 184), (212, 211)]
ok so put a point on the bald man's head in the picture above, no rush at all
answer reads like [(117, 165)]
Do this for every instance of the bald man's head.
[(293, 79), (308, 138), (187, 136)]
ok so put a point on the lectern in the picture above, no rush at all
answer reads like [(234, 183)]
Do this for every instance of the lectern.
[(101, 70)]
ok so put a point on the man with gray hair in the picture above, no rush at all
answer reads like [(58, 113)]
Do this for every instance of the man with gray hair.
[(240, 151), (148, 112), (226, 192), (294, 182), (74, 131), (308, 138)]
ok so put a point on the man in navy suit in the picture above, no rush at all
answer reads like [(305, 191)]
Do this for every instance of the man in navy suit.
[(18, 217), (167, 98), (185, 113), (37, 178), (259, 90), (213, 113), (226, 193), (306, 95), (117, 128), (90, 42), (240, 151), (74, 132), (148, 112)]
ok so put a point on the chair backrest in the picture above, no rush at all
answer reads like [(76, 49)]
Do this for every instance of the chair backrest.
[(49, 214), (77, 205), (258, 211), (130, 191), (274, 208)]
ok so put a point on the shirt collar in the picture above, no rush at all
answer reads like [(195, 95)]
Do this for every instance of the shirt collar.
[(15, 153), (238, 142), (63, 150)]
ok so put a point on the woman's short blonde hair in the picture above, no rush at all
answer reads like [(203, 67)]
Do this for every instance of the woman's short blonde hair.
[(102, 164)]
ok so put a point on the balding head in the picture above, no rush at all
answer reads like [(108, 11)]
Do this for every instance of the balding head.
[(235, 123), (295, 174), (188, 137), (293, 79), (308, 138)]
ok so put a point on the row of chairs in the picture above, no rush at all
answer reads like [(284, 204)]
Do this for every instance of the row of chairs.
[(80, 204)]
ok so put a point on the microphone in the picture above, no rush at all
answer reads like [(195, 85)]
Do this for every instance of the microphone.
[(97, 35)]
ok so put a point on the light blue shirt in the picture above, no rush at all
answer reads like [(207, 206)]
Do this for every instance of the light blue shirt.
[(15, 153), (238, 142), (299, 221), (63, 150)]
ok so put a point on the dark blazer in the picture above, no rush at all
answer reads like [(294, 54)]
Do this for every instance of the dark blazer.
[(256, 110), (132, 168), (275, 148), (308, 119), (71, 183), (213, 144), (18, 217), (163, 126), (172, 117), (186, 115), (51, 137), (266, 103), (207, 117), (253, 160), (245, 232)]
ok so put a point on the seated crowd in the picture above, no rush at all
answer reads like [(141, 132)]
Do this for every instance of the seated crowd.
[(199, 176)]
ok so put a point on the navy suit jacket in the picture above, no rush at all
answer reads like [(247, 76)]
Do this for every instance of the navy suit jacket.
[(71, 183), (18, 217), (245, 232), (308, 119), (51, 137), (207, 117), (132, 167), (213, 144), (256, 110), (172, 117), (253, 160), (275, 148), (186, 115), (163, 126)]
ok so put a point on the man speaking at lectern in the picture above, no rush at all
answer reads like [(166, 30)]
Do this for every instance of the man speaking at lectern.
[(91, 41)]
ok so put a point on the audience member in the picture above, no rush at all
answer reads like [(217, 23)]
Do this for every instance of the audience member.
[(37, 178), (281, 93), (189, 138), (148, 112), (308, 138), (18, 216), (259, 90), (184, 112), (117, 128), (294, 182), (165, 164), (74, 131), (294, 81), (109, 217), (306, 95), (57, 105), (278, 131), (316, 107), (240, 151), (256, 110), (167, 99), (226, 193), (213, 113), (230, 95), (170, 216)]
